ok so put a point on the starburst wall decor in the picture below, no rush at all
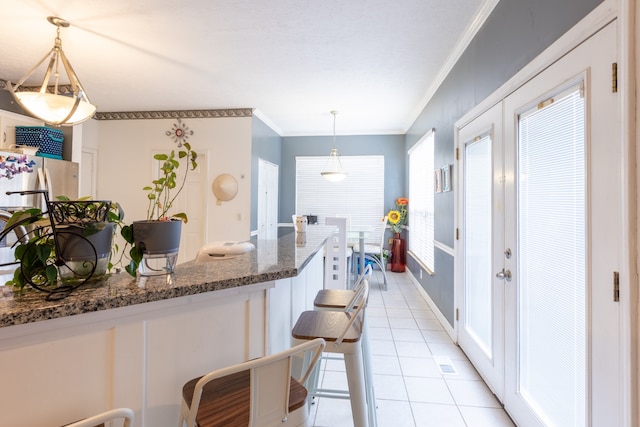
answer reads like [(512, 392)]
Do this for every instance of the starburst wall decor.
[(179, 132)]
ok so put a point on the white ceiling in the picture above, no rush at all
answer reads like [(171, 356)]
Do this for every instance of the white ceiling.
[(374, 61)]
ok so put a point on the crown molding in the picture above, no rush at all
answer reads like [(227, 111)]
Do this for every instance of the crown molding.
[(481, 16), (177, 114)]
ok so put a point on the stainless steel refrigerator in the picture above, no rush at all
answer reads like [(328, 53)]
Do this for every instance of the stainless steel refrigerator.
[(20, 172)]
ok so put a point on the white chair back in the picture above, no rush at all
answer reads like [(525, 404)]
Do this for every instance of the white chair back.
[(270, 382), (112, 415), (382, 230), (335, 260)]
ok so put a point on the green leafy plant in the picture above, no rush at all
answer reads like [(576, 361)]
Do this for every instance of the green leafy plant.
[(36, 248), (161, 194)]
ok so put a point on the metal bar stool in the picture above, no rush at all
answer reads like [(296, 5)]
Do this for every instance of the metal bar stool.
[(343, 300), (257, 393), (342, 330)]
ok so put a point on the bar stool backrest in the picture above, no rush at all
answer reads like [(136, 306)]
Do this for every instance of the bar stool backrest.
[(357, 306), (112, 415), (270, 381), (358, 286)]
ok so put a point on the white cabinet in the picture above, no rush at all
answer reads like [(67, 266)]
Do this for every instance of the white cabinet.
[(58, 371), (8, 123), (288, 299), (140, 356)]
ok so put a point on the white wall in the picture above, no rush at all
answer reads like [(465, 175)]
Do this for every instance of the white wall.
[(125, 160)]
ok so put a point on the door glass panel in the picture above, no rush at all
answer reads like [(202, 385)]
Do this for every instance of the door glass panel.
[(477, 241), (551, 247)]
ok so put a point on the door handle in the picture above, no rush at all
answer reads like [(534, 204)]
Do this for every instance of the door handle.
[(504, 274)]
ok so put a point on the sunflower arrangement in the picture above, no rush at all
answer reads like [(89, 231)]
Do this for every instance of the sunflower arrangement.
[(398, 217)]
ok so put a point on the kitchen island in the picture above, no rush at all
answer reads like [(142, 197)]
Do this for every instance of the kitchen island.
[(127, 342)]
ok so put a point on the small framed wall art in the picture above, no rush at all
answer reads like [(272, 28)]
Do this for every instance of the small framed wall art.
[(437, 181), (446, 178)]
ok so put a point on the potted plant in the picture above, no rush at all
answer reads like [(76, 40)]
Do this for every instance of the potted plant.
[(397, 220), (155, 241), (65, 246)]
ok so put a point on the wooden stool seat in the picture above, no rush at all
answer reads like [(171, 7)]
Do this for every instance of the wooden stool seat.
[(261, 392), (336, 299), (226, 401), (329, 325), (342, 299)]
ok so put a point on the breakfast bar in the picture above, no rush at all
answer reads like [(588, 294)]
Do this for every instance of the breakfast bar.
[(133, 343)]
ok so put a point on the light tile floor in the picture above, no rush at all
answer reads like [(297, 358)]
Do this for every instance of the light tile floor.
[(408, 346)]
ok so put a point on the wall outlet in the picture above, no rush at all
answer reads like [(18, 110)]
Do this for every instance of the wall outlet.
[(420, 274)]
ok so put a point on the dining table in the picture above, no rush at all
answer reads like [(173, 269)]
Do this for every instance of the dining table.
[(359, 233)]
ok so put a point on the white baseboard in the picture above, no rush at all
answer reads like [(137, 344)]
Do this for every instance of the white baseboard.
[(450, 330)]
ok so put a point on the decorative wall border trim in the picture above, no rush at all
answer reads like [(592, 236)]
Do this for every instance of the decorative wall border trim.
[(138, 115), (4, 84), (180, 114)]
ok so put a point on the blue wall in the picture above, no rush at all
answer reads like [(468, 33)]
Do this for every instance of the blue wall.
[(515, 33), (390, 146), (265, 144)]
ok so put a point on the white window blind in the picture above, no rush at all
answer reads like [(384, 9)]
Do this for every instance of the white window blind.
[(421, 200), (478, 232), (360, 196), (552, 248)]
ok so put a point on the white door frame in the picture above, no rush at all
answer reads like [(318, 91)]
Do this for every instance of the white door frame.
[(624, 11)]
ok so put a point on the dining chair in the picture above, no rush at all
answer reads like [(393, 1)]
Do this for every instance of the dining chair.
[(336, 255), (375, 251)]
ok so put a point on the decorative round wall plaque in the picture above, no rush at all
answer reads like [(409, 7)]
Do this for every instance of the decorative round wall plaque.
[(179, 132)]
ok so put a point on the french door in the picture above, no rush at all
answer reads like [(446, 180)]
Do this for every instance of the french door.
[(541, 239), (481, 324)]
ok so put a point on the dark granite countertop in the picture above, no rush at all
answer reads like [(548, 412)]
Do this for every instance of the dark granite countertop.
[(271, 260)]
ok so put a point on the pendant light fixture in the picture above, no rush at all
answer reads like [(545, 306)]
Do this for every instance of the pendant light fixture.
[(51, 106), (333, 168)]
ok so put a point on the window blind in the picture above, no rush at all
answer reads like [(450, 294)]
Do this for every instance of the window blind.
[(359, 197), (552, 248), (421, 200)]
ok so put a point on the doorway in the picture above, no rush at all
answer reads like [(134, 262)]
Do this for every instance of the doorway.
[(267, 199), (540, 244)]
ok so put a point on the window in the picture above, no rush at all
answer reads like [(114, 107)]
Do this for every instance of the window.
[(360, 196), (421, 206)]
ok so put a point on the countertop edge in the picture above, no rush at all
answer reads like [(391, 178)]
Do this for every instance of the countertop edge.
[(120, 290)]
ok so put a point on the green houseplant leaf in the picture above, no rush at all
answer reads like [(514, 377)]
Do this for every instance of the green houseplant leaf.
[(161, 195)]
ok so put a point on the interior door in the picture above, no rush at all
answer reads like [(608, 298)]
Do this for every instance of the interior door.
[(563, 166), (481, 320), (267, 199)]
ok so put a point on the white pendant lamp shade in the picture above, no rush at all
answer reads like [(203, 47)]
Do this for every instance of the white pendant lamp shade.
[(333, 168), (55, 109), (46, 102)]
